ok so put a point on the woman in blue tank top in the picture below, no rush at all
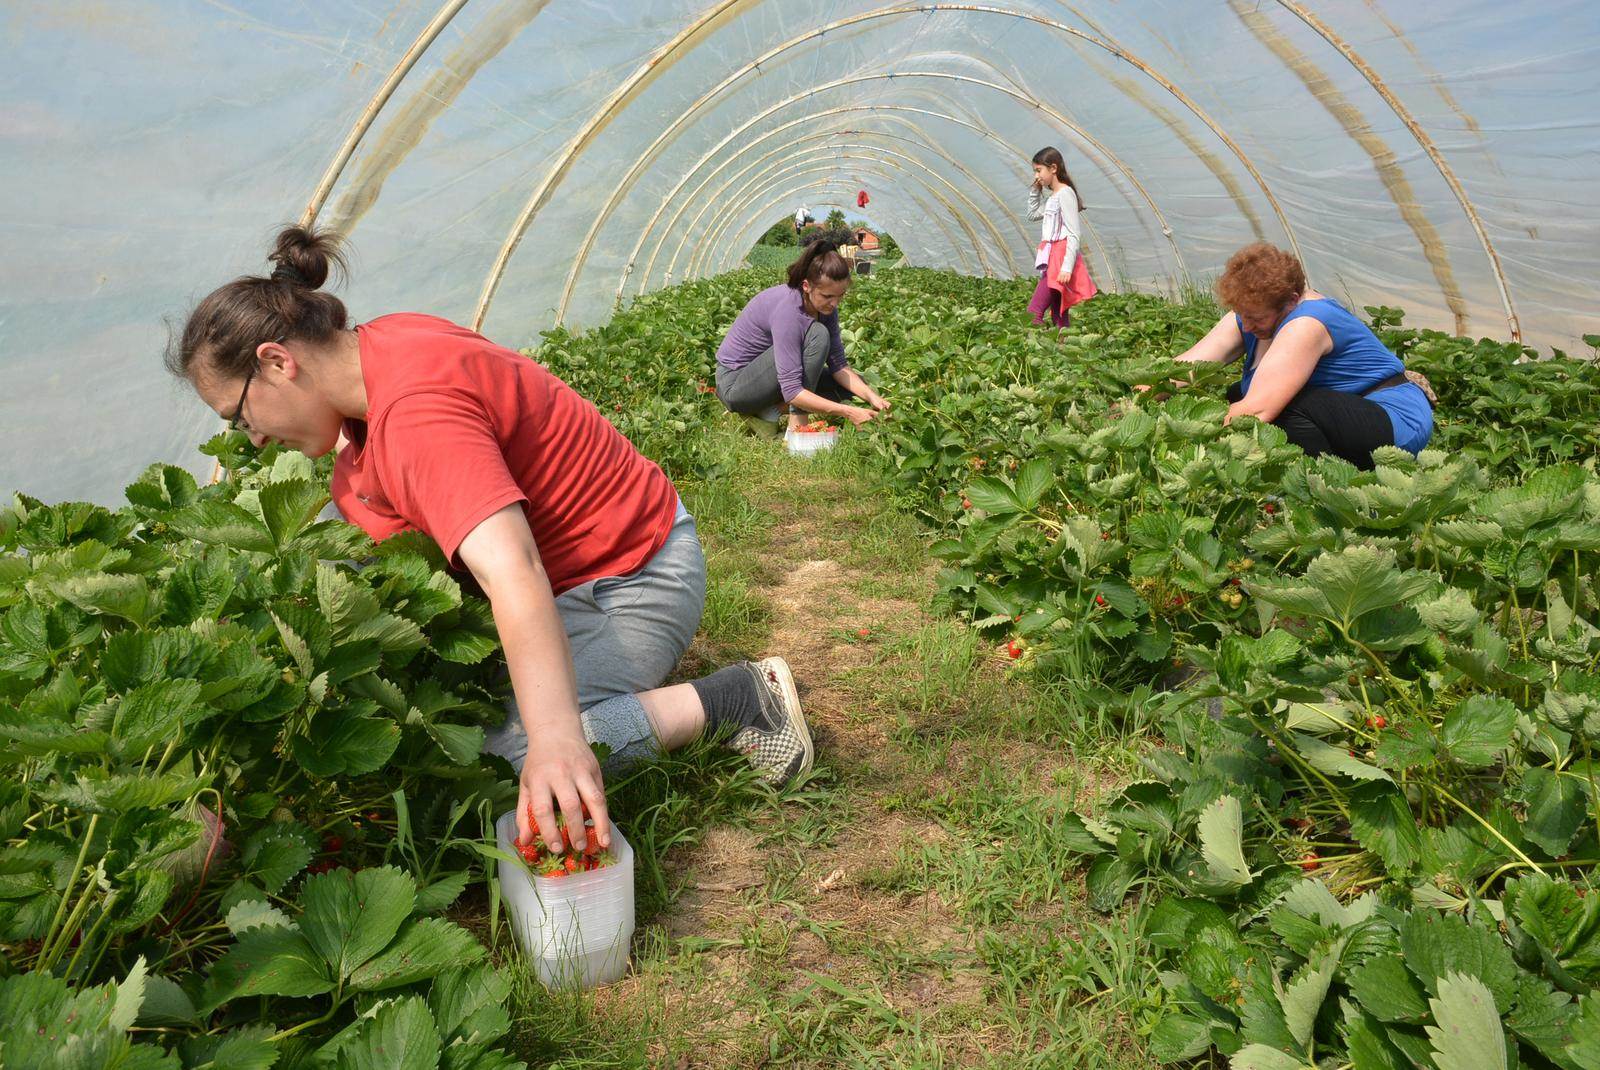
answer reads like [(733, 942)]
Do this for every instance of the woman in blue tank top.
[(1310, 367)]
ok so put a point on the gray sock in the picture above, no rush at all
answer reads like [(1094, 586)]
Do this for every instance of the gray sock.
[(730, 696)]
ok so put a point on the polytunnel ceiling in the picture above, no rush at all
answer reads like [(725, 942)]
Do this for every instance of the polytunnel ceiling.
[(696, 32), (518, 163)]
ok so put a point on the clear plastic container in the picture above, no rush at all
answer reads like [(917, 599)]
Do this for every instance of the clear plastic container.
[(577, 929), (807, 443)]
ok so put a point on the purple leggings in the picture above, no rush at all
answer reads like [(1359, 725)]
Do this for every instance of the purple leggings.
[(1046, 299)]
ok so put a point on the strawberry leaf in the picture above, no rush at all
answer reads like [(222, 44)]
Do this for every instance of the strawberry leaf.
[(267, 961), (1381, 821), (1468, 1035), (398, 1036), (350, 917), (423, 948), (1221, 832), (1477, 731)]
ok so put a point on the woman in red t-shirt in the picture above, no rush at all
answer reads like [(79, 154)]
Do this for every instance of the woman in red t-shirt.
[(589, 560)]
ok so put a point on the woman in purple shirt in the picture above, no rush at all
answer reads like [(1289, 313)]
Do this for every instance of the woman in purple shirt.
[(775, 352)]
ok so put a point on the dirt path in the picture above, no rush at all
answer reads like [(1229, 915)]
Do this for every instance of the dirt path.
[(838, 928), (831, 907)]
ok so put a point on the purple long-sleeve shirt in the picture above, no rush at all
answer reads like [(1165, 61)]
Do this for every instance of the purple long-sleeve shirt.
[(776, 319)]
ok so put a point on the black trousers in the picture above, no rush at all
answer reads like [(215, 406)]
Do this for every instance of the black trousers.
[(1329, 421)]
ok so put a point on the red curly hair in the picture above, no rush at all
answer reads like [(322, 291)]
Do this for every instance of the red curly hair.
[(1261, 278)]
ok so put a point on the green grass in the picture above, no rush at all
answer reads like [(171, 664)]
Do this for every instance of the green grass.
[(771, 256)]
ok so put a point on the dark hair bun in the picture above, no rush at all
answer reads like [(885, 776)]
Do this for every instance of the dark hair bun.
[(304, 257)]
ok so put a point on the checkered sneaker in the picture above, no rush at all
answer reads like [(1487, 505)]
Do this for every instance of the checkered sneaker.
[(779, 746)]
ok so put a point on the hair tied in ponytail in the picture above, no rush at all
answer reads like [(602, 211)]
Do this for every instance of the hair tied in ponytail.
[(819, 260)]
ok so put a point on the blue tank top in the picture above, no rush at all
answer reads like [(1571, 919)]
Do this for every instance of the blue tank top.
[(1357, 362)]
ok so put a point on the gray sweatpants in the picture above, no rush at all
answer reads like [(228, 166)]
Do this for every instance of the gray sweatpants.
[(753, 389), (626, 634)]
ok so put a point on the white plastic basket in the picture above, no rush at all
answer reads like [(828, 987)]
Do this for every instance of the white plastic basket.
[(576, 929), (809, 443)]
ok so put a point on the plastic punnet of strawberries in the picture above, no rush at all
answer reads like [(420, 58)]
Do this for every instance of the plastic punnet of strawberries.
[(545, 863)]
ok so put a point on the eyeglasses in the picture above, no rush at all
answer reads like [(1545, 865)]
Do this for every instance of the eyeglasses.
[(237, 422)]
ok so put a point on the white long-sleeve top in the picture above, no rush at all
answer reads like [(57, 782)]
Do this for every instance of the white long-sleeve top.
[(1059, 212)]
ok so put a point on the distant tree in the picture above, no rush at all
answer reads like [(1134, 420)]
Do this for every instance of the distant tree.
[(837, 235), (835, 220), (780, 233)]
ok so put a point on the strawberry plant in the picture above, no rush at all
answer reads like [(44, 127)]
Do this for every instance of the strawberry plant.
[(1375, 984), (198, 689), (1403, 660)]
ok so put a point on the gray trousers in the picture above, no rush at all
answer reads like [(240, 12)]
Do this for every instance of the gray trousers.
[(626, 634), (753, 389)]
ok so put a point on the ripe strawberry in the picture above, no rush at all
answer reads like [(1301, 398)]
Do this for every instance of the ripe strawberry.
[(1099, 599), (1379, 722), (332, 845), (862, 633), (1014, 649), (1310, 862), (1269, 508), (966, 503)]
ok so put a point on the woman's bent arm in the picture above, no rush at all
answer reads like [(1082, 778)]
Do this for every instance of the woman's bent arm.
[(851, 380), (811, 401), (1222, 343)]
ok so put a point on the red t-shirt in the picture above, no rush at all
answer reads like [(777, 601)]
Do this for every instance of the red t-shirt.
[(458, 427)]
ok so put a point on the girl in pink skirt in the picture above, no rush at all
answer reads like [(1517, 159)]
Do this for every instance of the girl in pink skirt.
[(1064, 277)]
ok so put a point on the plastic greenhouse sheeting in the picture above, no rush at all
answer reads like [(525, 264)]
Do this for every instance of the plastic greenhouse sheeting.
[(518, 162)]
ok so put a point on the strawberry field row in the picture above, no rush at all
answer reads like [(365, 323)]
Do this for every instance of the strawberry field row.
[(1373, 829)]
